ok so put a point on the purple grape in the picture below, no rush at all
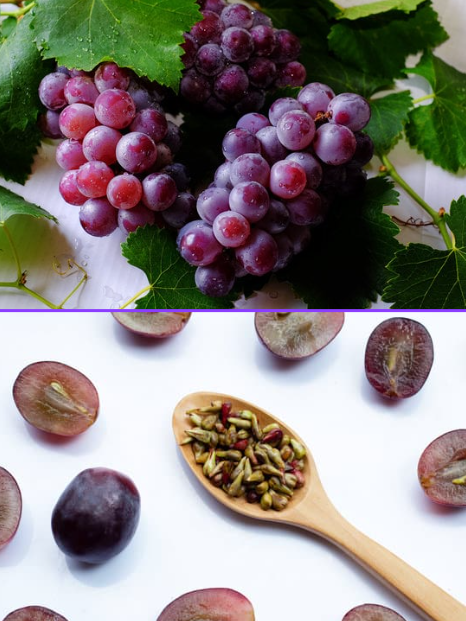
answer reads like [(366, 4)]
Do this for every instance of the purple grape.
[(252, 122), (222, 176), (110, 75), (261, 19), (231, 85), (354, 181), (197, 244), (270, 146), (159, 191), (311, 166), (250, 199), (145, 94), (372, 612), (52, 90), (195, 87), (173, 137), (237, 14), (364, 149), (68, 189), (299, 236), (306, 209), (34, 613), (81, 89), (164, 157), (76, 120), (231, 229), (287, 46), (237, 44), (315, 98), (239, 141), (115, 108), (210, 59), (136, 152), (124, 191), (69, 154), (259, 254), (151, 122), (334, 144), (100, 144), (211, 202), (250, 167), (350, 110), (216, 279), (216, 6), (182, 211), (291, 74), (296, 129), (190, 48), (131, 219), (276, 219), (253, 100), (98, 217), (282, 105), (180, 175), (263, 37), (49, 123), (208, 30), (261, 71), (285, 251), (287, 179), (93, 178)]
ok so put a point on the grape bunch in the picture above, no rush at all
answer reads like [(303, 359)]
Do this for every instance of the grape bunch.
[(234, 55), (117, 149), (279, 178)]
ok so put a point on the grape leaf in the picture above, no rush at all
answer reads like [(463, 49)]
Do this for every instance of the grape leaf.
[(144, 35), (389, 114), (344, 265), (373, 8), (438, 130), (427, 278), (21, 69), (380, 44), (13, 205), (7, 26), (171, 279)]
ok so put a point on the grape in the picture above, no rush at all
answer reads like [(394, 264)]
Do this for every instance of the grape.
[(151, 122), (237, 15), (252, 122), (299, 236), (270, 146), (182, 211), (250, 167), (285, 251), (124, 191), (231, 229), (76, 120), (197, 244), (93, 178), (190, 48), (350, 110), (238, 141), (136, 152), (231, 85), (250, 199), (56, 398), (98, 217), (282, 105), (115, 108), (10, 507), (253, 99), (287, 179), (195, 87), (216, 6), (110, 75), (372, 612), (291, 74), (315, 98), (259, 254), (297, 335), (96, 516), (211, 202), (261, 19), (69, 154), (334, 144), (306, 209), (311, 167), (398, 358), (221, 604), (152, 324), (34, 613), (173, 137), (287, 46), (354, 181), (69, 189), (159, 191), (100, 144), (145, 94), (222, 176), (210, 59), (52, 90), (164, 157), (49, 124), (216, 279), (442, 469), (81, 89), (364, 149), (131, 219), (295, 130), (180, 175), (261, 71), (208, 30), (263, 38), (236, 44)]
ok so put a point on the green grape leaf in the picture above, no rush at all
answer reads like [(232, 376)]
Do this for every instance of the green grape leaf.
[(13, 205), (7, 26), (373, 8), (427, 278), (389, 115), (171, 279), (344, 265), (21, 69), (144, 35), (380, 44), (438, 130)]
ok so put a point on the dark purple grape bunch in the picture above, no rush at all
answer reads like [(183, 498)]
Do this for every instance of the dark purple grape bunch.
[(278, 180), (234, 55), (117, 150)]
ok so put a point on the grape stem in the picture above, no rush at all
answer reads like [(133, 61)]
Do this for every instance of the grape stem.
[(437, 216), (136, 296), (21, 276)]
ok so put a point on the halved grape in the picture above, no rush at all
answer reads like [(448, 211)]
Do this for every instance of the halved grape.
[(442, 469), (372, 612), (10, 507), (297, 335), (56, 398), (398, 358), (153, 324), (215, 604), (34, 613)]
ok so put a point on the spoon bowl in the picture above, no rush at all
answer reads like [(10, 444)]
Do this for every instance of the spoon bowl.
[(311, 509)]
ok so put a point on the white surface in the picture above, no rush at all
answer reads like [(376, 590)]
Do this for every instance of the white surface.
[(366, 450), (112, 281)]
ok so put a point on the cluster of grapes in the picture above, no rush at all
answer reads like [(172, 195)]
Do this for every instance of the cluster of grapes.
[(117, 151), (233, 55), (278, 180)]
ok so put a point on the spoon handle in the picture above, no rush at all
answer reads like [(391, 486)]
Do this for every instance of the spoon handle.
[(429, 600)]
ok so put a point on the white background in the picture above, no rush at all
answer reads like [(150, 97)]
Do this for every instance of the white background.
[(112, 281), (366, 450)]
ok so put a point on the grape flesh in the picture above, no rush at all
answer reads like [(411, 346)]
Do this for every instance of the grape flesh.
[(10, 507), (96, 516), (34, 613), (372, 612), (221, 604), (398, 357), (442, 469)]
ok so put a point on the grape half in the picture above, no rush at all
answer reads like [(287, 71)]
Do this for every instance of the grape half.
[(442, 469), (372, 612), (297, 335), (34, 613), (10, 507), (398, 358), (153, 324), (56, 398), (216, 604)]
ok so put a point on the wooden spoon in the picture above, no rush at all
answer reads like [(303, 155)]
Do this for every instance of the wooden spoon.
[(311, 509)]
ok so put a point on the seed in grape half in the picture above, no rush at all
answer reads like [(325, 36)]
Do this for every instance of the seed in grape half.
[(297, 335), (152, 324), (56, 398), (372, 612), (34, 613), (442, 469), (10, 507), (215, 604), (398, 358), (96, 516)]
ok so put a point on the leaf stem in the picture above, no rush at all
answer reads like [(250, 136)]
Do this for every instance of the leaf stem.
[(435, 215), (136, 296), (423, 98)]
